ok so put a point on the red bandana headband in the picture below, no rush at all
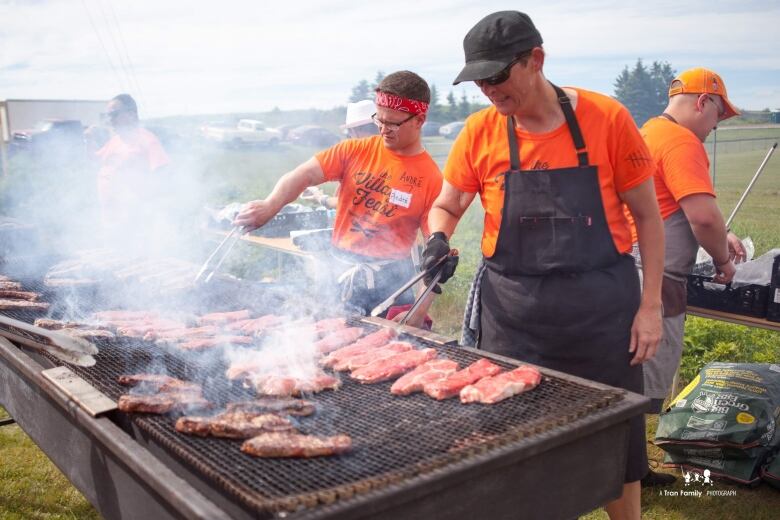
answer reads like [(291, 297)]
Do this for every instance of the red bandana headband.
[(412, 106)]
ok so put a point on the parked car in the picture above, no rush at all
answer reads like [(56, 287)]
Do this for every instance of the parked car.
[(430, 128), (451, 130), (55, 140), (248, 131), (313, 135)]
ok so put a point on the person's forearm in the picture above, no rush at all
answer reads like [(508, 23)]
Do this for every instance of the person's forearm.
[(440, 219), (651, 248), (711, 235), (287, 189)]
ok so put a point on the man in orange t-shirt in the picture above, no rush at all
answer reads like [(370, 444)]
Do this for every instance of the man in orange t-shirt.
[(553, 167), (129, 177), (387, 184), (686, 198)]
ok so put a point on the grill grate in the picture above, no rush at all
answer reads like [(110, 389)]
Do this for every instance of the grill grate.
[(394, 438)]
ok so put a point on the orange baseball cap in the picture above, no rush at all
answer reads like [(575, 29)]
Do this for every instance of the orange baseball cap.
[(703, 81)]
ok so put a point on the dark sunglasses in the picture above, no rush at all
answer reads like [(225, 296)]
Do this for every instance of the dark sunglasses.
[(503, 75)]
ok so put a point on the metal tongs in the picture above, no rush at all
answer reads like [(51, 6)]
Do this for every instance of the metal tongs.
[(73, 350), (437, 267), (207, 272)]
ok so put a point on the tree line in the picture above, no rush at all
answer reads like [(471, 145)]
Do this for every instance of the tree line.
[(453, 109), (642, 89)]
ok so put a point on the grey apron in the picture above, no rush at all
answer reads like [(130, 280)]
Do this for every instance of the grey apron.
[(556, 292)]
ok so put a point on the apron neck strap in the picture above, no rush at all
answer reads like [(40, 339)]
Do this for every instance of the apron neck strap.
[(571, 123), (514, 152), (574, 126)]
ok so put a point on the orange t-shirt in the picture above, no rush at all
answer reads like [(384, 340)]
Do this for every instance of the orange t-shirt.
[(127, 161), (682, 167), (481, 153), (384, 197)]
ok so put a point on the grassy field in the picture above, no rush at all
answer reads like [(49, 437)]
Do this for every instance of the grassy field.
[(32, 488)]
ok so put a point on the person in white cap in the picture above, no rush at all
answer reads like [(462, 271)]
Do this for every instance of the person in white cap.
[(358, 124)]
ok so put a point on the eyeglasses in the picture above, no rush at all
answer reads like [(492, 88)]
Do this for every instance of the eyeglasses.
[(721, 109), (390, 125), (113, 113), (503, 75)]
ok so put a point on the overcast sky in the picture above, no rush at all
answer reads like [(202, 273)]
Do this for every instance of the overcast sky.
[(197, 57)]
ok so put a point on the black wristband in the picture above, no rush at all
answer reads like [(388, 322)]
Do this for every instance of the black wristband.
[(438, 234)]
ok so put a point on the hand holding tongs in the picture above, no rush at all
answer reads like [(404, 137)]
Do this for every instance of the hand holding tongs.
[(224, 248), (77, 351), (437, 267)]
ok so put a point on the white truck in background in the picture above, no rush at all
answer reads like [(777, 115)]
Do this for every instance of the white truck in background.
[(247, 132)]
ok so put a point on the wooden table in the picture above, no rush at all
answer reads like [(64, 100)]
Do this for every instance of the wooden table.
[(748, 321)]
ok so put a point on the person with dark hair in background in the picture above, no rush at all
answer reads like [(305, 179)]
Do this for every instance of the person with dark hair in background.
[(553, 167), (686, 198), (387, 184), (130, 165)]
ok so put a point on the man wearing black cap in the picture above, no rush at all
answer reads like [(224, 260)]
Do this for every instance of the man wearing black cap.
[(553, 167)]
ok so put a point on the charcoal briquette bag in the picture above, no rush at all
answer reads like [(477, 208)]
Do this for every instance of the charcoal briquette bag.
[(728, 405)]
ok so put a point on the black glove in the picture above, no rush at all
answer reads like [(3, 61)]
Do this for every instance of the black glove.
[(437, 248)]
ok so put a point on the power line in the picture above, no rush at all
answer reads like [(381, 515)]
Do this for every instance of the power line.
[(115, 44), (103, 46), (127, 54)]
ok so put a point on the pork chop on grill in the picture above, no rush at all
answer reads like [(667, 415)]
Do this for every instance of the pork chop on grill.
[(176, 335), (285, 386), (162, 403), (216, 318), (155, 383), (7, 285), (296, 445), (393, 366), (337, 339), (7, 305), (198, 344), (46, 323), (414, 381), (452, 385), (285, 406), (19, 295), (361, 346), (233, 424), (373, 354), (489, 390), (88, 333)]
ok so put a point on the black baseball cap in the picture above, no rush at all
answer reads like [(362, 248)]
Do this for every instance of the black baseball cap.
[(494, 42)]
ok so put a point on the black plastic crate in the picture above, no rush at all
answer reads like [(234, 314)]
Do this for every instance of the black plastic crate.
[(283, 223), (773, 303), (748, 300)]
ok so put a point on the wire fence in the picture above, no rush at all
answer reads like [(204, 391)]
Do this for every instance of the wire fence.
[(727, 146)]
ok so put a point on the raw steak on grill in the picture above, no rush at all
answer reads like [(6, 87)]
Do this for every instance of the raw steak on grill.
[(430, 372), (452, 385), (375, 339), (489, 390), (295, 445), (285, 386), (337, 339), (216, 341), (374, 354), (393, 366), (223, 317)]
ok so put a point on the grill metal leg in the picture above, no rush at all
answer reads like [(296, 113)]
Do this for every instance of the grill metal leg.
[(6, 422)]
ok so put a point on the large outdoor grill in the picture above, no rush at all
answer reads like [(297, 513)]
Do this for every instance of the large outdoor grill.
[(412, 457)]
